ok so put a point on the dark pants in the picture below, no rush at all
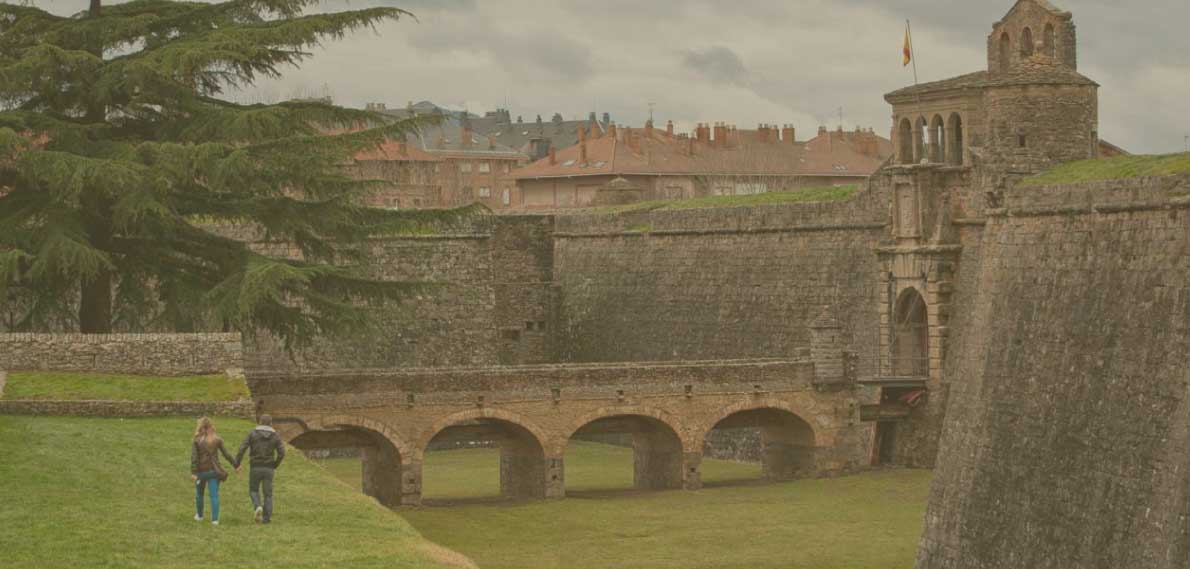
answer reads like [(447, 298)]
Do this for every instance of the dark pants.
[(258, 477)]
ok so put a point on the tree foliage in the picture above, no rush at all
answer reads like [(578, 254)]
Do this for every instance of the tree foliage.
[(119, 158)]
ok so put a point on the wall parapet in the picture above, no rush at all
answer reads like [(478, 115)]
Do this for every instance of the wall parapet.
[(144, 354)]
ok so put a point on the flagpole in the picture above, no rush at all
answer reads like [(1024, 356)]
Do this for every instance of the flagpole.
[(912, 51)]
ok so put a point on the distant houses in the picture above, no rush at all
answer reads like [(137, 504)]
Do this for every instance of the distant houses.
[(556, 164)]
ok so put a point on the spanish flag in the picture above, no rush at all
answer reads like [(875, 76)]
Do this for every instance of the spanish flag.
[(908, 50)]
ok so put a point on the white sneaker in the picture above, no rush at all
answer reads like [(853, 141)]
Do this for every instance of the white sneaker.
[(197, 518), (215, 523), (259, 514)]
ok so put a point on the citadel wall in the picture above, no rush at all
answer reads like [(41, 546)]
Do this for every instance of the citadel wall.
[(1065, 444), (723, 283)]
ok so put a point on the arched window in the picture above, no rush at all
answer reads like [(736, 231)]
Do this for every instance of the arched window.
[(905, 141), (937, 140), (1027, 43), (955, 139), (919, 140), (1005, 51), (1050, 41)]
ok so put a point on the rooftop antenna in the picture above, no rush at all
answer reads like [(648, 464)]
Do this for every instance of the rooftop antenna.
[(651, 106)]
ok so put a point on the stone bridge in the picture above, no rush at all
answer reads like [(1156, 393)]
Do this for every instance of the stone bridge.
[(806, 410)]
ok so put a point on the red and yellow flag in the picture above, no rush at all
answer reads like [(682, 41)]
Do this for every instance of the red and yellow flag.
[(908, 50)]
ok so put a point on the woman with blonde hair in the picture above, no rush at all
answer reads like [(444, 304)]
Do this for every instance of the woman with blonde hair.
[(205, 469)]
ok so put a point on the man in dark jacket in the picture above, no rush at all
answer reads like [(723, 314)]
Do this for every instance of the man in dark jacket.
[(267, 452)]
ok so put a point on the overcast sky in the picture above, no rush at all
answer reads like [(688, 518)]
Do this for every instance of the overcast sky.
[(739, 61)]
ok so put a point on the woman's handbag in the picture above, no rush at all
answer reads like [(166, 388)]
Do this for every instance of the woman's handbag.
[(220, 473)]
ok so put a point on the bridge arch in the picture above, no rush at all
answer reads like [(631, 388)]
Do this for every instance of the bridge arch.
[(523, 445), (787, 442), (385, 457), (658, 442)]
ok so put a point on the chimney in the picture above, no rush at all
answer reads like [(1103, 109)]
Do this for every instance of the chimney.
[(721, 134), (582, 149), (789, 134), (821, 130), (649, 129), (465, 135), (582, 133), (703, 133), (553, 156), (607, 118), (591, 117), (669, 129)]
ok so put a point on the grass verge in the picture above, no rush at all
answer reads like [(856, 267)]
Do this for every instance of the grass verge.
[(868, 521), (117, 493), (1116, 168), (87, 386), (826, 194)]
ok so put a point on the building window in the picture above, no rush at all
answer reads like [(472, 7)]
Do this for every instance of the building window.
[(1021, 141), (1049, 41), (485, 192), (485, 167), (1027, 43), (506, 197), (465, 166), (1005, 51)]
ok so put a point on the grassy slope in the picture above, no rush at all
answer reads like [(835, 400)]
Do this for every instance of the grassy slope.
[(1116, 168), (827, 194), (871, 521), (81, 386), (117, 493)]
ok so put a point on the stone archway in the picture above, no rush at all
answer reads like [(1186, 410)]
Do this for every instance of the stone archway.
[(384, 456), (523, 463), (910, 335), (656, 439), (787, 442)]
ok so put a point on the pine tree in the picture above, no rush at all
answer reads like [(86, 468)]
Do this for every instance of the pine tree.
[(117, 156)]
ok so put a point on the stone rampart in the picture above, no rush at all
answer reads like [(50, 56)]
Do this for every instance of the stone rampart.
[(240, 409), (1065, 444), (716, 283), (144, 354)]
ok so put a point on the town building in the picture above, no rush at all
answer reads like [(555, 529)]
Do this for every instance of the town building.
[(442, 165), (715, 160)]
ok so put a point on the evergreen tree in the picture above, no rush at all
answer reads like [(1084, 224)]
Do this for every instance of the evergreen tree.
[(117, 156)]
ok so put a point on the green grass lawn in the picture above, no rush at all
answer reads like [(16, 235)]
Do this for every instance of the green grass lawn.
[(83, 386), (1115, 168), (85, 493), (868, 521), (826, 194)]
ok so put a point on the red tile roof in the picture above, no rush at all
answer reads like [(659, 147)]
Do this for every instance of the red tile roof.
[(746, 152)]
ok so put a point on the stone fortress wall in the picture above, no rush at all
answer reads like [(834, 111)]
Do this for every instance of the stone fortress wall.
[(146, 354), (1066, 441)]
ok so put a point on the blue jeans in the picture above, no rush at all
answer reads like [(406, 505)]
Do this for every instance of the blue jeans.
[(205, 478)]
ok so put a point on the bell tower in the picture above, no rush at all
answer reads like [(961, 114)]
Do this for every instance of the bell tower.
[(1034, 33)]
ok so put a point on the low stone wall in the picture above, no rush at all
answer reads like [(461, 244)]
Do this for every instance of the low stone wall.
[(145, 354), (241, 409), (3, 382)]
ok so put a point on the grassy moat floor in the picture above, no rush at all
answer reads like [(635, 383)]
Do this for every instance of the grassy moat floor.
[(867, 521)]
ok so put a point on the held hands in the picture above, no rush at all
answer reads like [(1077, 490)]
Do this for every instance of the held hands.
[(194, 477)]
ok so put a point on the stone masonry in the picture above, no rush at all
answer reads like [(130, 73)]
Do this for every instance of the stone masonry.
[(809, 428), (145, 354)]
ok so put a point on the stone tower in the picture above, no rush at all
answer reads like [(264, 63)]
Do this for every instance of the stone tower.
[(1030, 109)]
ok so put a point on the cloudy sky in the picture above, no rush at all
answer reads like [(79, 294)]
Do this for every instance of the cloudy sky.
[(740, 61)]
